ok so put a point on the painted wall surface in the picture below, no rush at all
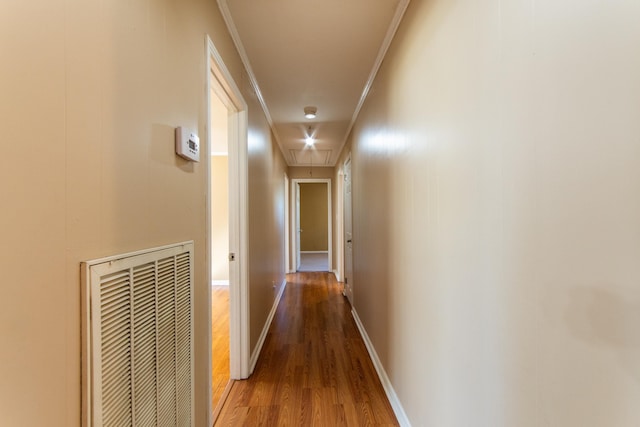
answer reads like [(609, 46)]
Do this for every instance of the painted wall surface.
[(496, 189), (91, 93), (314, 221), (219, 218), (266, 221)]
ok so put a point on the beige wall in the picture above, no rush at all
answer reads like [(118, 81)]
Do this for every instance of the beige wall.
[(91, 93), (313, 217), (496, 188), (266, 222)]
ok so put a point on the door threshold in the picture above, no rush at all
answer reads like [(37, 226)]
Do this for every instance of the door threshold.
[(221, 402)]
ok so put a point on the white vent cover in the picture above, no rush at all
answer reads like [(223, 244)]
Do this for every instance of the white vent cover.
[(138, 339)]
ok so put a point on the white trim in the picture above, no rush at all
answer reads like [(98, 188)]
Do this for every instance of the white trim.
[(239, 227), (267, 325), (294, 245), (339, 222), (287, 228), (314, 252), (391, 31), (231, 26), (220, 81), (403, 420), (348, 287), (337, 274)]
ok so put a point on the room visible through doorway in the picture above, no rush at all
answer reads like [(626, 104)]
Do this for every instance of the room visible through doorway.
[(312, 227), (220, 363)]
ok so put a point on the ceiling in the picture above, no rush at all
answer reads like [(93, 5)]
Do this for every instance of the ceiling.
[(322, 53)]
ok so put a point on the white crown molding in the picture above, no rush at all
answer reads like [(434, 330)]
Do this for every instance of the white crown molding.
[(391, 32), (231, 26)]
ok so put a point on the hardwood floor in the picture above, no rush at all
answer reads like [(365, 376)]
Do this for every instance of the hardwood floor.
[(220, 341), (314, 368)]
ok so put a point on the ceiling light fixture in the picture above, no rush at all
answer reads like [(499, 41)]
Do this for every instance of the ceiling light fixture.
[(309, 140), (310, 112)]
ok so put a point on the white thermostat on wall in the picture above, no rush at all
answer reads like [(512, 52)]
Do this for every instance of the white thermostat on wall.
[(187, 144)]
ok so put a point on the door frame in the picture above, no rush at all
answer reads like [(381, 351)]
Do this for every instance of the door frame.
[(348, 285), (287, 229), (225, 87), (339, 221), (294, 206)]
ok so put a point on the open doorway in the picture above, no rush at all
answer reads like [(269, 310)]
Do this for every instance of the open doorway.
[(347, 230), (227, 236), (287, 239), (219, 208), (312, 227), (339, 222)]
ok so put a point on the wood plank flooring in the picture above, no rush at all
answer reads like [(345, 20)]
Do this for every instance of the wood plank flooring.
[(314, 368), (220, 341)]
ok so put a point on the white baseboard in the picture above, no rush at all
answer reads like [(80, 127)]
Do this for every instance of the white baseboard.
[(382, 374), (335, 272), (314, 252), (265, 329)]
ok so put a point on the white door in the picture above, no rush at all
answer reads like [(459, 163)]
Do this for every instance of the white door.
[(348, 234), (287, 242), (298, 229)]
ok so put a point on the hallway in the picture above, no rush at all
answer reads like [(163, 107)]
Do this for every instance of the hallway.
[(314, 368)]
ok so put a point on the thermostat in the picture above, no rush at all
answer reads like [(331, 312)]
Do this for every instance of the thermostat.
[(187, 144)]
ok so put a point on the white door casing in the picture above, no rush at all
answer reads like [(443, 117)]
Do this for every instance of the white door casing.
[(348, 232), (219, 80), (287, 236), (296, 225), (298, 229), (339, 221)]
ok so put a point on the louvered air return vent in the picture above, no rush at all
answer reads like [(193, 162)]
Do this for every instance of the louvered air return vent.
[(138, 339)]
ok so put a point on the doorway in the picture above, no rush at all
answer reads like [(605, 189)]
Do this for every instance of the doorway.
[(339, 221), (287, 256), (312, 226), (347, 222), (227, 238), (219, 208)]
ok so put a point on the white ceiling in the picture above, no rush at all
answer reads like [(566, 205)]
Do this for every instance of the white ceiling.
[(321, 53)]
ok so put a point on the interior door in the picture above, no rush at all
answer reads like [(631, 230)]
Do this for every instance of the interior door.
[(287, 228), (298, 230), (348, 233)]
